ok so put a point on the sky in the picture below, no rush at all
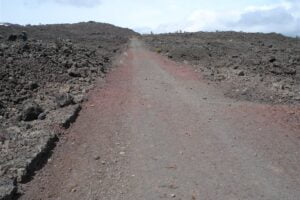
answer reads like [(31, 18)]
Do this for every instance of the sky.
[(160, 16)]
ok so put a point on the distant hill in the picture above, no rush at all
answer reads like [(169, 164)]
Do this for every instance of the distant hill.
[(83, 32)]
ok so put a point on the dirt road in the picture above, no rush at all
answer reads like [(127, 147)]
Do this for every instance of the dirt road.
[(156, 130)]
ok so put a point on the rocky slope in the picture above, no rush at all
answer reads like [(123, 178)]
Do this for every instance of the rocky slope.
[(45, 72), (250, 66)]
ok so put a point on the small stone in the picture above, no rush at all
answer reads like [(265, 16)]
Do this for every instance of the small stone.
[(80, 98), (173, 195), (96, 157), (33, 85), (28, 126), (244, 91), (42, 116), (272, 59), (122, 153), (73, 72), (73, 190), (220, 77), (65, 89)]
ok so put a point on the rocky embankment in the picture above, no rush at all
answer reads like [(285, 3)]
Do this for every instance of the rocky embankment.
[(250, 66), (45, 73)]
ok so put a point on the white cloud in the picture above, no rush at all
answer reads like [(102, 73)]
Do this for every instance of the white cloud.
[(209, 20), (273, 20), (77, 3), (283, 17)]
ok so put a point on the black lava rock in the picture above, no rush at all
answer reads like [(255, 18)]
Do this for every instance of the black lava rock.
[(272, 59), (31, 111), (23, 36), (12, 37), (73, 72), (1, 108), (33, 85), (42, 116), (65, 99)]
